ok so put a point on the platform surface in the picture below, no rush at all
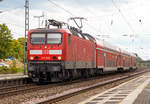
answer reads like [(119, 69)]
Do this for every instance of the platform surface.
[(136, 91), (12, 76)]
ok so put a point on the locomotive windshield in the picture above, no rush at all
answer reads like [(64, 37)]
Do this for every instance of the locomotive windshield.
[(53, 38), (49, 38), (38, 38)]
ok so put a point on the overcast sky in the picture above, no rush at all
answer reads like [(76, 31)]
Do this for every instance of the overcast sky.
[(124, 23)]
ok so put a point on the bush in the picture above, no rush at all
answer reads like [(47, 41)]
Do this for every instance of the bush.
[(3, 70), (12, 69)]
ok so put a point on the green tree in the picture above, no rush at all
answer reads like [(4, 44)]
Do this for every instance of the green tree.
[(21, 42), (5, 41), (17, 48)]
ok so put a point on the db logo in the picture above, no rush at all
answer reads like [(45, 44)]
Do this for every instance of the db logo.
[(47, 58)]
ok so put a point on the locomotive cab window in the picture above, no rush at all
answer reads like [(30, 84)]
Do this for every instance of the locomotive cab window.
[(53, 38), (38, 38)]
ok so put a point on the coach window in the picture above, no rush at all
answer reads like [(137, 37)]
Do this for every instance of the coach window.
[(69, 39), (102, 54)]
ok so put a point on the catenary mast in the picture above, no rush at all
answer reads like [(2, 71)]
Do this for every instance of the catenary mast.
[(26, 31)]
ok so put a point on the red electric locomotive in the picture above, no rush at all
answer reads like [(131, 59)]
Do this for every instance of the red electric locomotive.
[(53, 53)]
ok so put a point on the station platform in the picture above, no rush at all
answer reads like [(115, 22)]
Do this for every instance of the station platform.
[(135, 91), (12, 76)]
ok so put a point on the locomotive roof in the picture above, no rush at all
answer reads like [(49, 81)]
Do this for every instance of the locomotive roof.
[(44, 30)]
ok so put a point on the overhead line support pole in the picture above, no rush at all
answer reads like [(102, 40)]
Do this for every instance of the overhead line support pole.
[(26, 31)]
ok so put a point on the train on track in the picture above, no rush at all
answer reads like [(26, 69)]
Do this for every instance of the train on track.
[(57, 54)]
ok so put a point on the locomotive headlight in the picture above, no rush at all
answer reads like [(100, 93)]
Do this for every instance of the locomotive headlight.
[(31, 58), (59, 57)]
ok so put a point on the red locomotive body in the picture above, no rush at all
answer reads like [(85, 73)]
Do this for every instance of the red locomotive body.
[(80, 52), (52, 53)]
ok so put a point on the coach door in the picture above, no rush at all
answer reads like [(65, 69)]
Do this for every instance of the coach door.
[(104, 59), (117, 60), (74, 55), (95, 59)]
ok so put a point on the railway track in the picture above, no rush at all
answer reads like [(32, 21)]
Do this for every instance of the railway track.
[(13, 90), (16, 90), (7, 92), (66, 95), (26, 88)]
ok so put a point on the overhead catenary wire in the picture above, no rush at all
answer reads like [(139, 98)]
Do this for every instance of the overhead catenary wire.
[(139, 20), (92, 14), (101, 16), (67, 11), (57, 5), (127, 22), (119, 10)]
